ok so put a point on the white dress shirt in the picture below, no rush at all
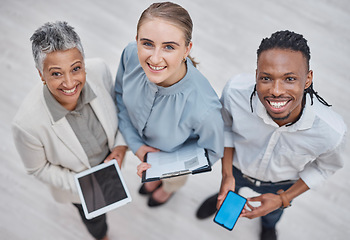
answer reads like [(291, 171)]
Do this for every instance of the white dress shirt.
[(309, 149)]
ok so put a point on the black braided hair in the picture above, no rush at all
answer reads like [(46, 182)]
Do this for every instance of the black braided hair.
[(293, 41), (251, 97), (310, 90)]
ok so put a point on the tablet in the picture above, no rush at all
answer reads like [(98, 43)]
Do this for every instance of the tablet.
[(102, 189)]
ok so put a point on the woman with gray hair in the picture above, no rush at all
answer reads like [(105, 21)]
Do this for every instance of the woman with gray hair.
[(68, 123)]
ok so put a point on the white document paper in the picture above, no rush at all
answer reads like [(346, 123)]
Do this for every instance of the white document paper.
[(186, 159)]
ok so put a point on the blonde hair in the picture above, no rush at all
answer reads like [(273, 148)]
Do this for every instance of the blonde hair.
[(173, 13)]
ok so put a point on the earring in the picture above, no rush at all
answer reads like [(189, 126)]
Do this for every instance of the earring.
[(44, 82)]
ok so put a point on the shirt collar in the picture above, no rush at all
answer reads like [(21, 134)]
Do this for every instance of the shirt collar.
[(58, 111), (305, 122)]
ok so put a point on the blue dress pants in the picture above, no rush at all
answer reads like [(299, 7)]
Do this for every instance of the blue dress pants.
[(270, 220)]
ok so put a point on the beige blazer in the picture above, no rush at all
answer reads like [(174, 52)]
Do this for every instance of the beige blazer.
[(50, 150)]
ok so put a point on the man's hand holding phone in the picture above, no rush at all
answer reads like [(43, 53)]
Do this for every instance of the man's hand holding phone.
[(230, 210), (227, 184)]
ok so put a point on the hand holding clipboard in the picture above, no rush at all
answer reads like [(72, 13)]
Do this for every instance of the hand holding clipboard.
[(189, 159)]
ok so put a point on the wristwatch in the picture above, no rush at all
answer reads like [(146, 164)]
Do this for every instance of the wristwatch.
[(285, 201)]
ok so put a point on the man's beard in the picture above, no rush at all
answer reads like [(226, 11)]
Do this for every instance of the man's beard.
[(279, 118)]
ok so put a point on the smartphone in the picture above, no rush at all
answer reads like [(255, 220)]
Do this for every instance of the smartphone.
[(230, 210)]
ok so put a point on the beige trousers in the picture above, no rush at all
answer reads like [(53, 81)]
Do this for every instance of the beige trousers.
[(171, 185)]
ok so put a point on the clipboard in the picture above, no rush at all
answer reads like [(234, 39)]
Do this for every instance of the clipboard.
[(189, 159)]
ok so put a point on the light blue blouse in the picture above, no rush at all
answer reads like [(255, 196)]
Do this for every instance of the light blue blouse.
[(167, 117)]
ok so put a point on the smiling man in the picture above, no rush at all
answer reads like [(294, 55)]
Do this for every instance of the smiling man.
[(281, 78), (280, 141)]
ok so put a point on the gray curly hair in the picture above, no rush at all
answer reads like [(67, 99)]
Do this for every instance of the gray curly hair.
[(52, 37)]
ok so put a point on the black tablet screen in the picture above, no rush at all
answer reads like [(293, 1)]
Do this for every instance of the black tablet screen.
[(102, 188)]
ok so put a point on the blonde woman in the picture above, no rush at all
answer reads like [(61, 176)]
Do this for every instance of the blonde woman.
[(164, 101)]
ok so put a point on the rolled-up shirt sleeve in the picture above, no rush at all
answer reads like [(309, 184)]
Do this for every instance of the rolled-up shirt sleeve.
[(315, 173), (227, 118)]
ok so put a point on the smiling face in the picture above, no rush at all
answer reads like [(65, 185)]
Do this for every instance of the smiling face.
[(64, 75), (281, 78), (161, 51)]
